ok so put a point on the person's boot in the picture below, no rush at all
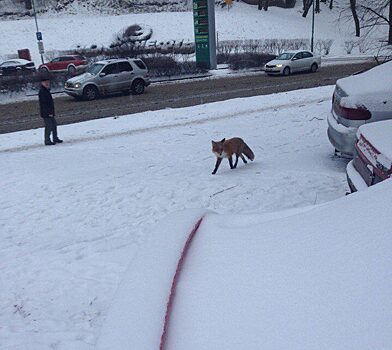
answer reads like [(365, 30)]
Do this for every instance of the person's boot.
[(49, 143), (57, 140)]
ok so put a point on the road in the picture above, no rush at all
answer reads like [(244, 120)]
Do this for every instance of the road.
[(24, 115)]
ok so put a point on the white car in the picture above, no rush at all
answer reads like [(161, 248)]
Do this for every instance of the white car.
[(293, 61), (359, 99), (17, 66), (372, 161)]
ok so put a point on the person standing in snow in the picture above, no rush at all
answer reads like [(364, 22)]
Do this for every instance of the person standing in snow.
[(46, 106)]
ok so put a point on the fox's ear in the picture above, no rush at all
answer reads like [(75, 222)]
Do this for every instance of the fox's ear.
[(213, 142), (223, 140)]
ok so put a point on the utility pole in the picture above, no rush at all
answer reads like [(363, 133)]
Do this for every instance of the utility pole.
[(39, 35), (312, 41)]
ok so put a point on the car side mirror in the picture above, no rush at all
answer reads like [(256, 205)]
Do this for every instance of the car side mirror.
[(102, 75), (294, 59)]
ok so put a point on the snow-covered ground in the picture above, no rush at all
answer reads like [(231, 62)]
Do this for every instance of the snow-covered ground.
[(73, 216), (241, 22)]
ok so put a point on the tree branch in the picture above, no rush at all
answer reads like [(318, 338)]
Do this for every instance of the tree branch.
[(376, 13)]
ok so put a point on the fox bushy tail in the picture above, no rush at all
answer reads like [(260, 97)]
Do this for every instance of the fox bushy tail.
[(248, 152)]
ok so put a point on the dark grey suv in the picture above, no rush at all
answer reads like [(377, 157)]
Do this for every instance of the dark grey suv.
[(109, 77)]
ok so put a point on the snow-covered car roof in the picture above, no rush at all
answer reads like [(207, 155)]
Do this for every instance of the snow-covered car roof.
[(18, 60), (379, 134), (114, 60), (371, 89), (375, 80), (296, 51)]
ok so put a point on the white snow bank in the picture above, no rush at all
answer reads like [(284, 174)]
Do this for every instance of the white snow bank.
[(316, 279)]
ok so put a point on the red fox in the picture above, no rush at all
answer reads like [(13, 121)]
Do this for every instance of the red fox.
[(226, 149)]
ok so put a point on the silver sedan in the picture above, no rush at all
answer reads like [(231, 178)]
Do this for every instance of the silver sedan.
[(291, 62)]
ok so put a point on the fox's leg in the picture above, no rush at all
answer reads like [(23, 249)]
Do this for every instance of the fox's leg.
[(231, 162), (243, 158), (218, 161), (236, 161)]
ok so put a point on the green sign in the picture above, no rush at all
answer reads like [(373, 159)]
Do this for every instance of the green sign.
[(204, 24)]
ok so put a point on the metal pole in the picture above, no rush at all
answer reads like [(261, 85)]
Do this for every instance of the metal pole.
[(211, 34), (36, 25), (312, 42)]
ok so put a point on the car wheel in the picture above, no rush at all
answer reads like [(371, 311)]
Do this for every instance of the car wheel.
[(314, 67), (44, 70), (71, 70), (286, 71), (90, 93), (137, 87)]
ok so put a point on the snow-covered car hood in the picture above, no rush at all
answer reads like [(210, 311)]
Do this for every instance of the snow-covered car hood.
[(372, 89), (276, 62), (379, 134), (80, 78)]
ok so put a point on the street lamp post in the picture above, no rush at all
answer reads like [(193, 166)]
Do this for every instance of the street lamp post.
[(38, 34), (312, 41)]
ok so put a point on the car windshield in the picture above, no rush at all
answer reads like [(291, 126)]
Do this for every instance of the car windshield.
[(285, 56), (95, 68)]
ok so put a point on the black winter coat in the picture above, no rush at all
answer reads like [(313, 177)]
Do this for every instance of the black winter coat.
[(46, 104)]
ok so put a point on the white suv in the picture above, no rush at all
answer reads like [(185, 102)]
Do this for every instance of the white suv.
[(109, 77)]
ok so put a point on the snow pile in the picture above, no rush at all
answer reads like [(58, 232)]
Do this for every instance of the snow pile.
[(304, 280)]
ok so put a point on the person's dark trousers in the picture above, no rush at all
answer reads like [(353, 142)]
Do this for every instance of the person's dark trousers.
[(50, 127)]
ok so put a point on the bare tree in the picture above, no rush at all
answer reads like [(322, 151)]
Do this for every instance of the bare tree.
[(308, 5), (317, 9), (377, 14), (353, 6), (390, 23)]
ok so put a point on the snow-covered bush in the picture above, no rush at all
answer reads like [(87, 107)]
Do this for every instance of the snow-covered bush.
[(164, 66), (349, 46), (271, 46), (326, 46), (131, 35), (247, 60), (364, 45), (29, 82)]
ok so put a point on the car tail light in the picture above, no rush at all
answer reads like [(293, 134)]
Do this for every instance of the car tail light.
[(359, 113), (382, 165)]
